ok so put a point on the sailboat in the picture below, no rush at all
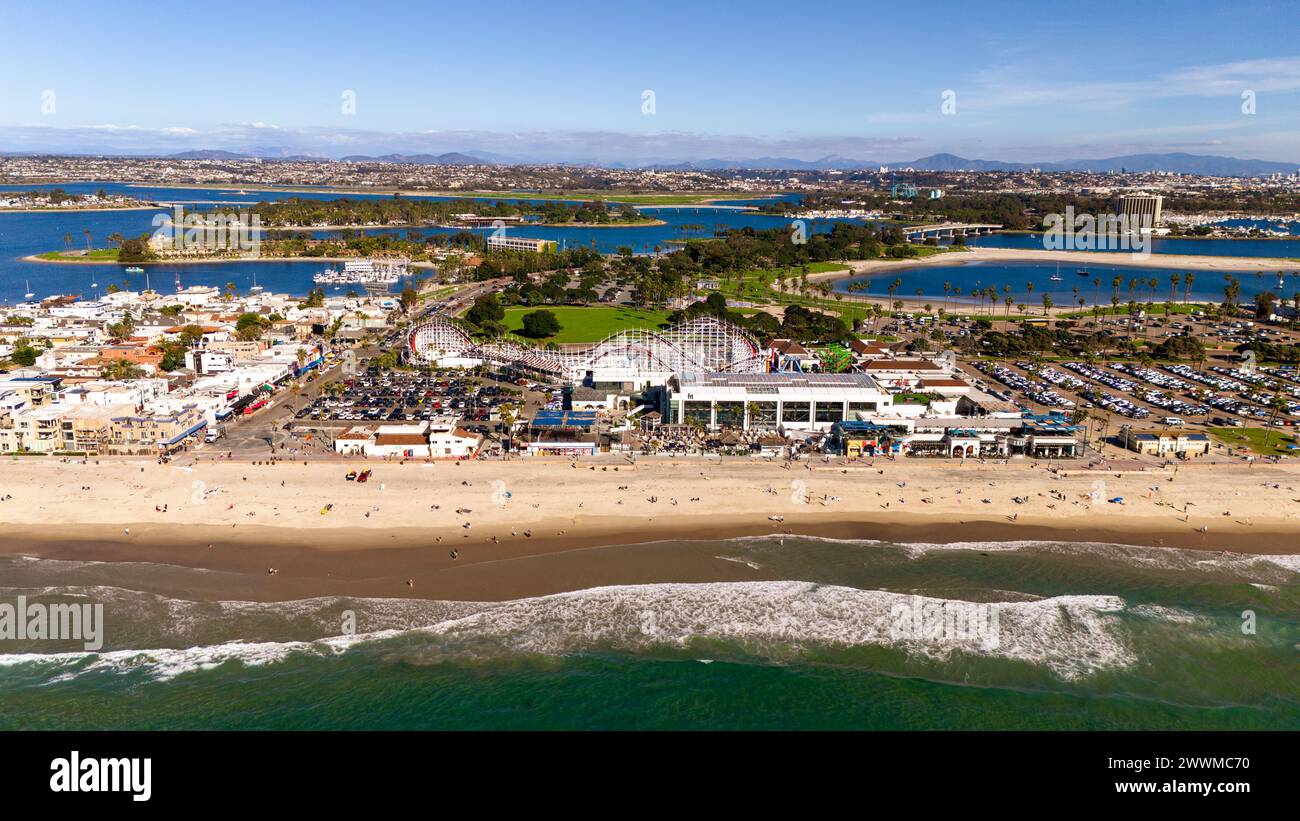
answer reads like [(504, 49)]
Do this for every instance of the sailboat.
[(1056, 277), (30, 293), (256, 289)]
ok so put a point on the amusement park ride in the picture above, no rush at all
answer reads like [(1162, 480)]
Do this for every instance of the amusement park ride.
[(637, 354)]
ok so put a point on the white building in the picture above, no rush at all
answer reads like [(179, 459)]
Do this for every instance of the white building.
[(769, 401), (439, 439)]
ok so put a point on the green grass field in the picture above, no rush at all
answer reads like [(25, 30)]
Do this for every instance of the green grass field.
[(98, 255), (1255, 438), (1157, 310), (578, 324)]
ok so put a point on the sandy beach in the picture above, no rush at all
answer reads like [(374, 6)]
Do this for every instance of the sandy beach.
[(533, 527), (1182, 262)]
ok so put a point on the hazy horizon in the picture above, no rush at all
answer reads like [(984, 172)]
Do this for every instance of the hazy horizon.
[(681, 82)]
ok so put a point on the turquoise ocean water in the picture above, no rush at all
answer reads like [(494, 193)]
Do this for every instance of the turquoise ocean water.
[(1073, 636)]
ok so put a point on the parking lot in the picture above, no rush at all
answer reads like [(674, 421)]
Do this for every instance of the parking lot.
[(1173, 394), (375, 396)]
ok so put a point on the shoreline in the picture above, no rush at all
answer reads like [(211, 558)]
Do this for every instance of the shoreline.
[(471, 195), (448, 226), (976, 254), (378, 563), (565, 529), (35, 258), (79, 210)]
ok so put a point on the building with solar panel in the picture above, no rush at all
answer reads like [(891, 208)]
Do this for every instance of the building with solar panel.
[(561, 433)]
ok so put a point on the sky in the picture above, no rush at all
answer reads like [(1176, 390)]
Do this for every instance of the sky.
[(652, 82)]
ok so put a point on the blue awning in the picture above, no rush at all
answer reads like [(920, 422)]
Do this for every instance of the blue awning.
[(200, 426)]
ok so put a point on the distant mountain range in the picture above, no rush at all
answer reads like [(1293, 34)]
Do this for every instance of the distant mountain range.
[(1181, 163), (452, 158)]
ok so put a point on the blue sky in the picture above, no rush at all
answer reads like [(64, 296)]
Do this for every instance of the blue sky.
[(565, 80)]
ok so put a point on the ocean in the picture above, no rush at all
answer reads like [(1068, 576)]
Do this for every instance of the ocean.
[(856, 635)]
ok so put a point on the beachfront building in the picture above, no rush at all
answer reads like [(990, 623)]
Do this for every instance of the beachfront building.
[(448, 440), (1043, 440), (953, 437), (437, 439), (99, 430), (561, 433), (772, 401), (854, 438), (154, 432), (1164, 442), (33, 430)]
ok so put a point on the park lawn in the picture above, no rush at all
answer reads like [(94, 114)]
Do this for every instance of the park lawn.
[(1157, 310), (579, 324), (1254, 438), (931, 250), (99, 254)]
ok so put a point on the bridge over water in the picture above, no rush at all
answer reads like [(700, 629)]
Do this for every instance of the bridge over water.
[(917, 233)]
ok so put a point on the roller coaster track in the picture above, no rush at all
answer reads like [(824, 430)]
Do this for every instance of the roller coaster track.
[(701, 344)]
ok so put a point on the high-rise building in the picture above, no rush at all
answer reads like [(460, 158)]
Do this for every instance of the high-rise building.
[(1141, 209)]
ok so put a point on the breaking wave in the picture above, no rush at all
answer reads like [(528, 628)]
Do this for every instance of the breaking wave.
[(1072, 636)]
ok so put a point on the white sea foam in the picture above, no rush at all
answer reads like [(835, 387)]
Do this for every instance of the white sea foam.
[(1071, 635), (1175, 615), (1157, 558)]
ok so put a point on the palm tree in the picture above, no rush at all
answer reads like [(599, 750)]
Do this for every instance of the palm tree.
[(1188, 279), (1276, 404), (507, 417), (1174, 279)]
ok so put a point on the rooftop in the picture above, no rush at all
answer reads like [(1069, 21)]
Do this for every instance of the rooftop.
[(902, 365), (759, 381)]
